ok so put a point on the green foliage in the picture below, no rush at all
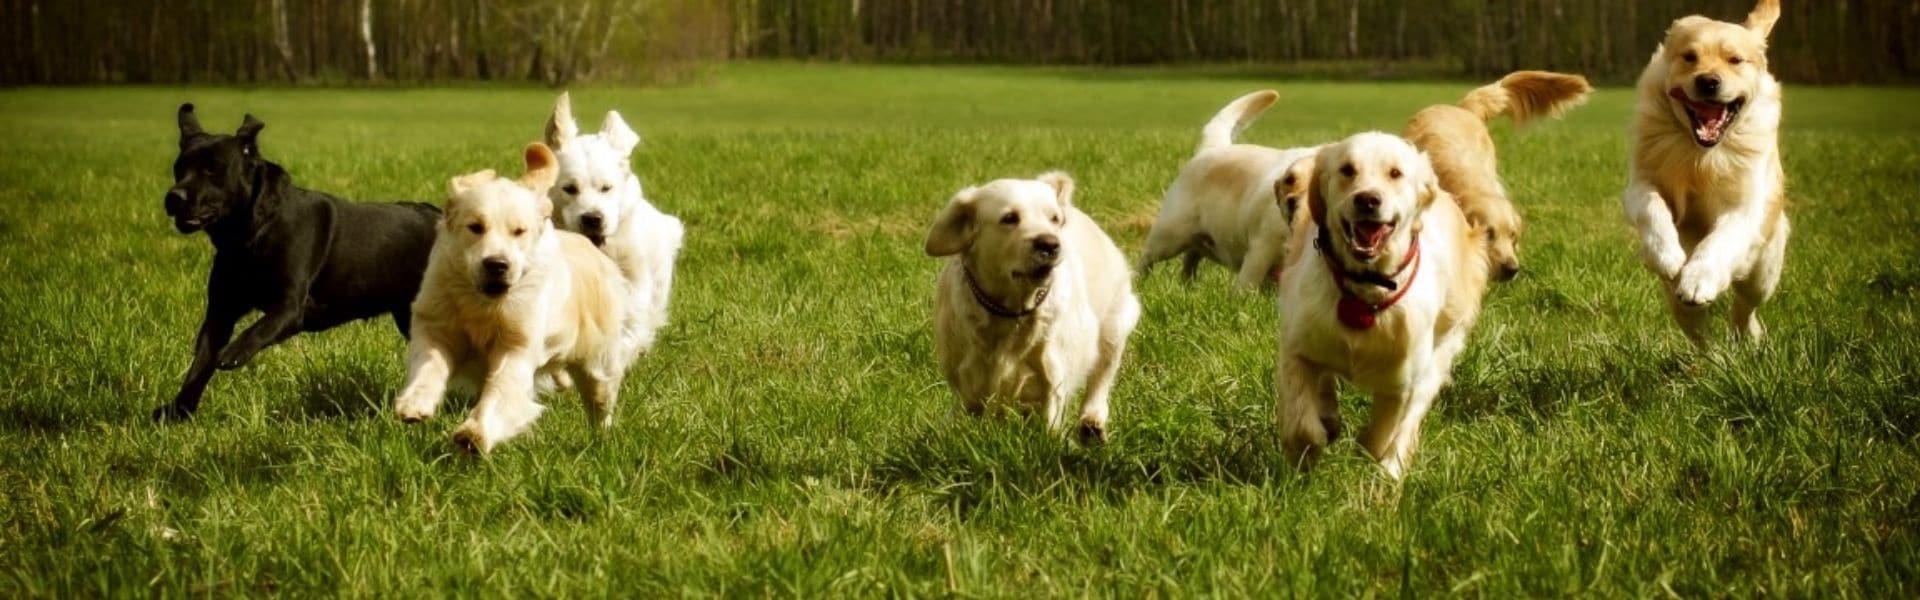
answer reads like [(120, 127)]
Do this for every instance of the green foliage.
[(792, 436)]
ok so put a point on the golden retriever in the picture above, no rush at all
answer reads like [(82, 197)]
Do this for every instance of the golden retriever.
[(1455, 137), (1383, 297), (1707, 193), (1035, 302), (1223, 206), (509, 301)]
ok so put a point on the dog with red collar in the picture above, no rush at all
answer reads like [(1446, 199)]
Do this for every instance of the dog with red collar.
[(1383, 297)]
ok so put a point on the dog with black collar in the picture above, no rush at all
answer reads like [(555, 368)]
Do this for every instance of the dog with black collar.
[(1382, 298), (1035, 302)]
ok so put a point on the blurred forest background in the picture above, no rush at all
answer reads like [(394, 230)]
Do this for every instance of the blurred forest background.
[(561, 41)]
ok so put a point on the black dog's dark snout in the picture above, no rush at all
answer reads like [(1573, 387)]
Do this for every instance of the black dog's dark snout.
[(592, 221), (1708, 85), (176, 201), (1046, 246), (1367, 202), (495, 266)]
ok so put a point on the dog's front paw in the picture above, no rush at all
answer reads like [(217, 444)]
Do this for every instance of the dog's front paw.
[(1700, 284), (470, 438), (1665, 262), (233, 357), (1091, 433), (170, 413)]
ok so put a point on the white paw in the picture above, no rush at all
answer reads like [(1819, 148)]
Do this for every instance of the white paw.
[(1700, 284), (472, 438), (412, 409), (1665, 262)]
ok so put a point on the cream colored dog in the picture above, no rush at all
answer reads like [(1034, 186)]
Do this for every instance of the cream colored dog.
[(1229, 204), (1383, 297), (508, 300), (1707, 191), (1455, 138), (1035, 303)]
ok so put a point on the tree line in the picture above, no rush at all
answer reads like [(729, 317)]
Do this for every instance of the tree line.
[(558, 41)]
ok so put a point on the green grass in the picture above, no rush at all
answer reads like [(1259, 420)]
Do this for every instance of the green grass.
[(792, 435)]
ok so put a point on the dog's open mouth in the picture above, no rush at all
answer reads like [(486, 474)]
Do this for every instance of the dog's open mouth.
[(494, 289), (597, 239), (1710, 120), (1037, 274), (1368, 238)]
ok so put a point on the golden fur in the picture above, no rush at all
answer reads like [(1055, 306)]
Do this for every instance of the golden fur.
[(1707, 191), (1407, 356), (1455, 137), (1080, 297), (1222, 207), (509, 301)]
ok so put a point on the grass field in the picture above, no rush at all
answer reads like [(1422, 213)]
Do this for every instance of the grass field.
[(792, 435)]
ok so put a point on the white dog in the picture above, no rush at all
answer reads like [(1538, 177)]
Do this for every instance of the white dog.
[(1383, 297), (597, 195), (1035, 303), (1228, 204), (508, 300), (1707, 191)]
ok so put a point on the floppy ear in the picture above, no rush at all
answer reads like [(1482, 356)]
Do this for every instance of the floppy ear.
[(953, 230), (1429, 184), (560, 126), (1062, 185), (189, 124), (249, 134), (1764, 15), (615, 131), (1300, 169), (465, 183), (1316, 197)]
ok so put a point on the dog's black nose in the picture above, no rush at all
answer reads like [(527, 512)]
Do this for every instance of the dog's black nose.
[(1367, 202), (1708, 85), (176, 201), (591, 221), (495, 265), (1046, 246), (1509, 271)]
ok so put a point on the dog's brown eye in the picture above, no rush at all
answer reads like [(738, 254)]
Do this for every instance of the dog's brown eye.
[(570, 189), (1288, 180), (1057, 219), (1347, 169), (477, 228), (606, 189), (1690, 57), (1736, 60), (1394, 172), (519, 231), (1010, 219)]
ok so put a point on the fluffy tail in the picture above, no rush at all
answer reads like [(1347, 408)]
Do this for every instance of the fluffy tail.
[(1527, 95), (1233, 119)]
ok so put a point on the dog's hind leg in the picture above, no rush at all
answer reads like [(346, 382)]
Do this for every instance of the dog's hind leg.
[(1757, 288), (1162, 244), (1692, 319), (600, 394), (216, 329)]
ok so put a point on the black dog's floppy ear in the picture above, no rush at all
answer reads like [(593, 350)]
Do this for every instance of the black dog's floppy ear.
[(249, 133), (953, 230), (189, 124)]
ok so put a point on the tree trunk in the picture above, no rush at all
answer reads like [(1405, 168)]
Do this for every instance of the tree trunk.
[(366, 39)]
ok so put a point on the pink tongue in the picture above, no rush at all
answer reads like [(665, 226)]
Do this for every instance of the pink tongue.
[(1371, 234), (1713, 119)]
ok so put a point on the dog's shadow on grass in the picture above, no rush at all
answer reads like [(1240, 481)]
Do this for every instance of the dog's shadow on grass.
[(345, 391), (975, 461)]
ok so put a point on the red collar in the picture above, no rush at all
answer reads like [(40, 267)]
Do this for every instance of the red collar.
[(1356, 313)]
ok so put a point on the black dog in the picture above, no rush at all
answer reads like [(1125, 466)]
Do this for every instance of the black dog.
[(307, 261)]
